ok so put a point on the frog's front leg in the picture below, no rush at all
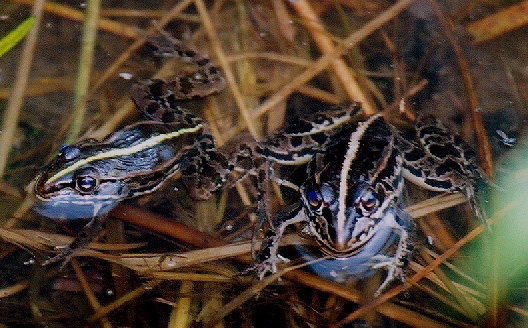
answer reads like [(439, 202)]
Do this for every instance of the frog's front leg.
[(402, 224), (267, 258), (83, 238)]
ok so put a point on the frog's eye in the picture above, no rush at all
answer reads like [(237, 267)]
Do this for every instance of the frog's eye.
[(86, 180), (369, 201), (314, 198), (68, 153)]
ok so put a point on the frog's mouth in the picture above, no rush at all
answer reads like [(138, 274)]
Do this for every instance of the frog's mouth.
[(66, 203)]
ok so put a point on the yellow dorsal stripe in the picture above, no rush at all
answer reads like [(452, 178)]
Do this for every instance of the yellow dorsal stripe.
[(150, 142)]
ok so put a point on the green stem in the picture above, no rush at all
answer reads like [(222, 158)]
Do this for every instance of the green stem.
[(85, 68)]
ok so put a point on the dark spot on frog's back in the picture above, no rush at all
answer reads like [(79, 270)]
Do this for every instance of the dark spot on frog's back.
[(168, 117), (320, 138), (430, 130), (296, 141), (438, 183), (171, 99), (213, 70), (219, 158), (203, 62), (443, 151), (449, 166), (300, 126), (156, 88), (414, 155), (190, 53), (438, 151), (414, 171), (320, 118), (185, 86), (152, 107)]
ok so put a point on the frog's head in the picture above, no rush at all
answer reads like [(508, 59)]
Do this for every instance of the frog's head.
[(352, 186), (343, 224), (73, 186)]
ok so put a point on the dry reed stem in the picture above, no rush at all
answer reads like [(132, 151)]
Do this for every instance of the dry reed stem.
[(8, 190), (248, 294), (228, 72), (14, 105), (390, 310), (326, 46), (319, 94), (285, 23), (435, 204), (322, 63), (271, 56), (43, 85), (499, 23), (84, 70), (13, 289), (198, 277), (434, 225), (210, 254), (410, 317), (442, 298), (139, 13), (39, 240), (484, 149), (92, 299), (76, 15), (130, 296)]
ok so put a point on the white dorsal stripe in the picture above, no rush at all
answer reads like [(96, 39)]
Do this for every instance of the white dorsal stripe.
[(353, 146), (117, 152)]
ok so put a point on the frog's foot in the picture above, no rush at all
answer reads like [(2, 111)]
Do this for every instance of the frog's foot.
[(63, 257), (268, 266), (395, 270)]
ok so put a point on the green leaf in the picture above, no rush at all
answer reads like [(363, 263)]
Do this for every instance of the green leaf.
[(10, 40)]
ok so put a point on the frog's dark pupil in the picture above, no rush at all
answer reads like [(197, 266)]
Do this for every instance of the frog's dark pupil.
[(86, 183), (313, 198), (369, 201)]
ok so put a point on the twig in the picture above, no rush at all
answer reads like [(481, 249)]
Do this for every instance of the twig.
[(14, 104)]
